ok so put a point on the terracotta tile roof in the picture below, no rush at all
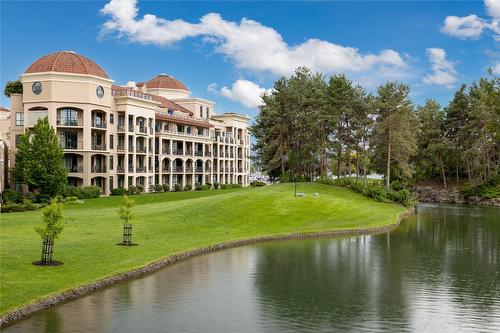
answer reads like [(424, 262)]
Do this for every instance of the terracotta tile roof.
[(165, 103), (182, 120), (66, 62), (165, 81)]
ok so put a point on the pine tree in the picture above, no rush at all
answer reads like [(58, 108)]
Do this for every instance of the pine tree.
[(395, 137)]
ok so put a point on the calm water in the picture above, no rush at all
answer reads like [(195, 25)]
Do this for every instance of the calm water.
[(438, 272)]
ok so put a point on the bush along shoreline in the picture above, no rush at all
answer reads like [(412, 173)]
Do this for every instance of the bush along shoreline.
[(374, 189)]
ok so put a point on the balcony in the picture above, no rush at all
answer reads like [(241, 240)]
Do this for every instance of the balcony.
[(98, 146), (131, 168), (141, 150), (120, 128), (165, 151), (240, 155), (98, 169), (231, 155), (69, 122), (142, 129), (198, 170), (130, 148), (120, 169), (240, 170), (189, 169), (131, 128), (177, 168), (189, 153), (75, 169), (120, 148), (140, 169), (208, 154), (72, 145), (99, 124), (177, 151), (198, 153), (165, 169), (208, 169)]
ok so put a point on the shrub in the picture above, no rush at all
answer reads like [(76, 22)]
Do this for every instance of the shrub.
[(224, 186), (257, 184), (178, 188), (216, 185), (284, 178), (396, 185), (70, 199), (119, 191), (90, 192), (13, 207), (139, 188), (132, 189), (12, 196), (202, 187), (187, 188), (237, 186), (209, 185), (31, 196), (71, 191), (158, 188), (166, 187)]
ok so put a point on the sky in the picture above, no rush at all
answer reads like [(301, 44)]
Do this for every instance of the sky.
[(232, 51)]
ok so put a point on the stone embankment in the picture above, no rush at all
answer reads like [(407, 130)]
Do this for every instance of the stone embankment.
[(453, 195)]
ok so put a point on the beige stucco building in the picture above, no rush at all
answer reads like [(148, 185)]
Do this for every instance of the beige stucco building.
[(146, 133)]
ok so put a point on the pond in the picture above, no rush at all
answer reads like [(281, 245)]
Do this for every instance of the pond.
[(438, 271)]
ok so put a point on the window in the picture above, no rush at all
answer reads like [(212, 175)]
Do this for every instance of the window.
[(110, 183), (111, 118), (111, 163), (208, 112), (69, 117), (19, 119), (201, 111), (18, 139), (111, 142)]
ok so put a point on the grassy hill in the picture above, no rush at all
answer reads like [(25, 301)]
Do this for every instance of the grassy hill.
[(165, 224)]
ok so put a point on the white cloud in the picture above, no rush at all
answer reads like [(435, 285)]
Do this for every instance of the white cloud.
[(472, 26), (443, 70), (244, 92), (212, 87), (251, 45), (496, 68)]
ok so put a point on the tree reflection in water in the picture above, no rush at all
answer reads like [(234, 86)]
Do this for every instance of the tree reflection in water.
[(445, 256)]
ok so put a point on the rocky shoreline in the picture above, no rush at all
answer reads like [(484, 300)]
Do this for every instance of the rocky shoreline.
[(433, 195), (72, 294)]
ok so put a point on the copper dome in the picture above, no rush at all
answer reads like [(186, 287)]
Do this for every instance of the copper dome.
[(66, 62), (166, 82)]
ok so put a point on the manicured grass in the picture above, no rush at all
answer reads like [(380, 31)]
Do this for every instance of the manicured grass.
[(166, 224)]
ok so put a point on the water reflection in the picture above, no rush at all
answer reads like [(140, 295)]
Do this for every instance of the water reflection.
[(439, 271)]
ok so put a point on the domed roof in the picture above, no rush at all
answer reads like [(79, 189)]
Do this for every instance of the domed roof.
[(166, 82), (66, 62)]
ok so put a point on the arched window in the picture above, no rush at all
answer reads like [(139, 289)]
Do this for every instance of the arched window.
[(68, 117)]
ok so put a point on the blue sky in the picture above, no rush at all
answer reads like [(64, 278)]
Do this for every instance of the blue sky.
[(433, 46)]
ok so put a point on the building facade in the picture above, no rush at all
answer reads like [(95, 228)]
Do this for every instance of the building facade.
[(145, 133)]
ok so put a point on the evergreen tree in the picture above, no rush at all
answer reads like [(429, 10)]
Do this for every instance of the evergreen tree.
[(39, 160), (394, 140), (432, 143)]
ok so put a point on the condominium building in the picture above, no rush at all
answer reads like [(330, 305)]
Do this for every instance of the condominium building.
[(146, 133)]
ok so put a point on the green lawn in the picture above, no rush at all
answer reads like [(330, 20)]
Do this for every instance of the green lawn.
[(165, 224)]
